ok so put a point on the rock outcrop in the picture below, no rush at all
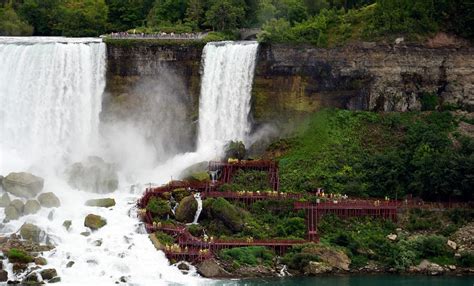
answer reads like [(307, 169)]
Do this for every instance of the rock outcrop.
[(31, 232), (294, 80)]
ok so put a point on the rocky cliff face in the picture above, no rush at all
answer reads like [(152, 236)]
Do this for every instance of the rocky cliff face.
[(295, 80), (291, 80)]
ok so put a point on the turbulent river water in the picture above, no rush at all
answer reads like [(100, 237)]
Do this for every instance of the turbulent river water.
[(50, 103)]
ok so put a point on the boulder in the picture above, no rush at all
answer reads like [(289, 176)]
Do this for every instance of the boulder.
[(49, 273), (67, 224), (70, 264), (392, 237), (31, 279), (452, 244), (94, 222), (3, 276), (228, 214), (31, 207), (186, 209), (210, 268), (18, 205), (103, 203), (49, 200), (23, 184), (316, 268), (93, 175), (40, 261), (430, 268), (31, 232), (55, 280), (199, 177), (4, 200), (332, 257), (11, 213)]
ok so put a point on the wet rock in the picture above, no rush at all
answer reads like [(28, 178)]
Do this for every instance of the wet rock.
[(186, 209), (97, 242), (31, 279), (31, 232), (4, 200), (11, 213), (183, 266), (23, 184), (94, 222), (93, 175), (19, 267), (3, 275), (18, 205), (40, 261), (55, 280), (49, 200), (70, 264), (316, 268), (31, 207), (51, 215), (210, 268), (103, 203), (85, 233), (67, 224), (48, 274)]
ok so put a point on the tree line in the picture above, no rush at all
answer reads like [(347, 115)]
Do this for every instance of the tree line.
[(282, 20)]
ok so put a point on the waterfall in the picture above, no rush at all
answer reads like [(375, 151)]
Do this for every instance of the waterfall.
[(50, 94), (197, 196), (50, 100), (226, 85)]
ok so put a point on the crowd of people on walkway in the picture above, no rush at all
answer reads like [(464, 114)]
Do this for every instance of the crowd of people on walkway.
[(158, 35)]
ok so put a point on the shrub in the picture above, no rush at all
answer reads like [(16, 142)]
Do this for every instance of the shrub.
[(466, 259), (299, 260), (251, 255), (158, 207), (431, 246), (429, 101), (164, 238), (18, 255)]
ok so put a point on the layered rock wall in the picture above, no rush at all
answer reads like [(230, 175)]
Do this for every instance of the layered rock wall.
[(291, 81)]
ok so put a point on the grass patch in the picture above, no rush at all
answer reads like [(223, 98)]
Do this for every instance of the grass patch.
[(17, 255)]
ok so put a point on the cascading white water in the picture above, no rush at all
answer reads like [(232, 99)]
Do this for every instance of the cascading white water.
[(50, 95), (50, 100), (226, 87), (197, 196)]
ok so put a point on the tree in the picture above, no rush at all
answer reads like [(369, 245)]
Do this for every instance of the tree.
[(127, 14), (167, 12), (82, 18), (225, 15), (42, 15), (12, 25), (293, 10), (195, 13)]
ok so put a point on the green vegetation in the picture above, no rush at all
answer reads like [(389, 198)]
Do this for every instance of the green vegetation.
[(12, 25), (18, 255), (319, 22), (164, 238), (370, 154), (252, 255), (250, 181), (158, 207)]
